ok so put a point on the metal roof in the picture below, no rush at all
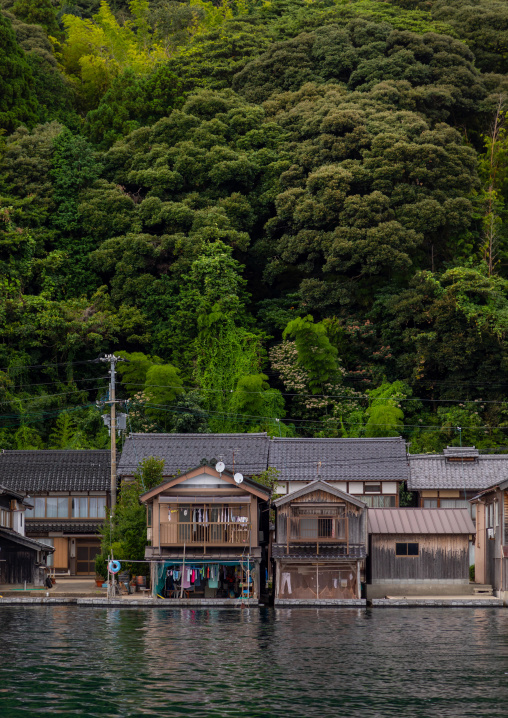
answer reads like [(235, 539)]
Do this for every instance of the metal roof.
[(420, 521), (183, 452), (381, 459), (435, 471), (41, 471)]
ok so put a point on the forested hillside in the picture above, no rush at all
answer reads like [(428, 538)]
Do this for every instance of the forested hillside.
[(291, 216)]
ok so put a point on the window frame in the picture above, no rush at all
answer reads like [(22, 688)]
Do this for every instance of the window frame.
[(407, 544)]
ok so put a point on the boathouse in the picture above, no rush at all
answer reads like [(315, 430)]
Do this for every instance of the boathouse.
[(21, 559), (320, 546), (414, 551), (207, 531)]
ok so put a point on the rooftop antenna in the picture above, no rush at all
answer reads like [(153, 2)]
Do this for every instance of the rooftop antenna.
[(318, 471)]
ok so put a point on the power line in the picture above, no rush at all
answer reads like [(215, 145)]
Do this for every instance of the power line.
[(48, 397), (346, 397), (62, 381), (39, 366)]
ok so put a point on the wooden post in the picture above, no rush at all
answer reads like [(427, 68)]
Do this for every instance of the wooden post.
[(183, 569)]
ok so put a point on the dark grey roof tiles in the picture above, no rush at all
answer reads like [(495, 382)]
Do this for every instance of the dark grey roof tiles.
[(434, 471), (35, 528), (340, 459), (40, 471), (183, 452)]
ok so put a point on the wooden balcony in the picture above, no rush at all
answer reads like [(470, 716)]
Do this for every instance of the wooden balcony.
[(211, 533), (319, 529)]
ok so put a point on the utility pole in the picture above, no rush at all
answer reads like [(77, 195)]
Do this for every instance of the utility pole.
[(112, 359)]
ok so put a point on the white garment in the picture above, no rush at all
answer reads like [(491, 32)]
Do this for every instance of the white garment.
[(286, 581)]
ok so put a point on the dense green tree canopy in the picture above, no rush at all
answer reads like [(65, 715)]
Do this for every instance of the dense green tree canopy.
[(287, 217)]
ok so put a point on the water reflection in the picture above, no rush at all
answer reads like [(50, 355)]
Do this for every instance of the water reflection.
[(414, 663)]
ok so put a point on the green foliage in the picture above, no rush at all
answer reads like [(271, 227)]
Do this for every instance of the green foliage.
[(128, 536), (283, 209), (315, 353), (101, 566), (268, 478), (384, 415), (18, 103)]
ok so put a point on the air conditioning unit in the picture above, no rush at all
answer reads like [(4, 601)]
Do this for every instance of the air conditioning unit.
[(490, 533)]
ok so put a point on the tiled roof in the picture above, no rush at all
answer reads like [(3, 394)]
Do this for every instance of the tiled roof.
[(69, 527), (420, 521), (308, 551), (25, 541), (340, 459), (182, 452), (434, 471), (38, 471)]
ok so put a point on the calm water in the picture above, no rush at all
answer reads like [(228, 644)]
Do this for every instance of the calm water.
[(403, 663)]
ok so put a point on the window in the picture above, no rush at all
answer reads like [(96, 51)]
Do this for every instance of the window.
[(406, 549), (454, 503), (149, 515), (373, 488), (93, 507), (489, 516), (5, 518), (430, 503), (80, 507), (97, 507), (378, 502), (40, 508), (57, 507)]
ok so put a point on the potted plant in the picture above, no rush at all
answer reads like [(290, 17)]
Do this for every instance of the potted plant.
[(101, 570)]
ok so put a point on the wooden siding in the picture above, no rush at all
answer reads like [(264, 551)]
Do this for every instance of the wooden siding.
[(61, 554), (318, 496), (356, 517), (440, 557), (18, 563), (505, 517)]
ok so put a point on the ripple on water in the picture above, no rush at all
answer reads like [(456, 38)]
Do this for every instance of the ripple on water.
[(412, 663)]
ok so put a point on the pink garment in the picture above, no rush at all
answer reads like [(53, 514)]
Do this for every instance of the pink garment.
[(185, 577)]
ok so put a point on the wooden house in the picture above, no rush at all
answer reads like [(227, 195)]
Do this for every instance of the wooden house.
[(70, 491), (491, 546), (320, 545), (451, 479), (21, 559), (207, 536), (373, 470), (414, 551)]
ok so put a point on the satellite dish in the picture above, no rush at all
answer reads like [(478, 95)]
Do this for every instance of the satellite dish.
[(238, 478), (220, 466)]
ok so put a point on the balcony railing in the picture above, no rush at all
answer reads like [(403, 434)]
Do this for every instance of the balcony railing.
[(205, 534), (318, 529)]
